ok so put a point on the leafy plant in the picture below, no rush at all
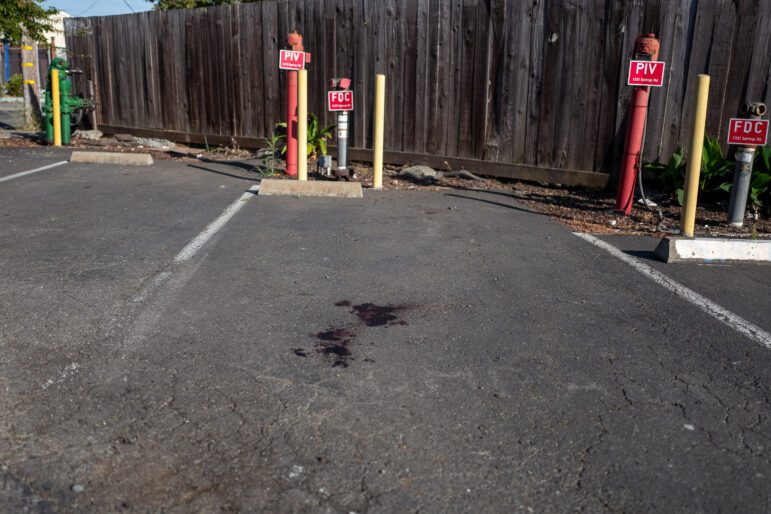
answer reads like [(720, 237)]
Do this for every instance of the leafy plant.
[(715, 176), (760, 186), (272, 150), (672, 174), (13, 86), (317, 138), (716, 169), (28, 17)]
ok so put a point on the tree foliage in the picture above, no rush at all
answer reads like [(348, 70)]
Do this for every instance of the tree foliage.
[(19, 16), (189, 4)]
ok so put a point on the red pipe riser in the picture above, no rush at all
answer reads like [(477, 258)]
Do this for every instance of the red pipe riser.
[(291, 125), (638, 110)]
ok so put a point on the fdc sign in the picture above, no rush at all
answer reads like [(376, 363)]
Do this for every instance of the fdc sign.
[(748, 132), (340, 100), (646, 73), (291, 60)]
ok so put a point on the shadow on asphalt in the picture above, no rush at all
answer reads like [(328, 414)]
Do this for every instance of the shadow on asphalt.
[(241, 177), (244, 165), (648, 255), (499, 204)]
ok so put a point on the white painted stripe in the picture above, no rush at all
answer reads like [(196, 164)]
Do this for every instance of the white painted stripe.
[(201, 239), (30, 172), (738, 323)]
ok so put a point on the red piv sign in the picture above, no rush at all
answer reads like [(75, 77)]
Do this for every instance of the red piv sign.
[(748, 132), (646, 73), (340, 100), (291, 60)]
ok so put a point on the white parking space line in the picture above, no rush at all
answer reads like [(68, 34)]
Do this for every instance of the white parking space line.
[(738, 323), (30, 172), (201, 239)]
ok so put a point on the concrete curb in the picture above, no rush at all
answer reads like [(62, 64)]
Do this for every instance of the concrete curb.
[(276, 187), (130, 159), (708, 250)]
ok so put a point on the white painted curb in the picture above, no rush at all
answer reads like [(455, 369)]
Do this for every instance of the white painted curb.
[(322, 188), (132, 159), (705, 249)]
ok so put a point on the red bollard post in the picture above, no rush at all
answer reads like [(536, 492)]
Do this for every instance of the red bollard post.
[(646, 48)]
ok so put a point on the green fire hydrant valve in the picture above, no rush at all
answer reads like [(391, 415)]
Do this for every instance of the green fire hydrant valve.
[(71, 106)]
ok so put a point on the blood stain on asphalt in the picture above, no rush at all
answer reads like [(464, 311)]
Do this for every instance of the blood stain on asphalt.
[(335, 342), (378, 315), (335, 334)]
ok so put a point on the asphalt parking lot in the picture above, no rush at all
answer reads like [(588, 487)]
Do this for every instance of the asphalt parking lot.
[(413, 351)]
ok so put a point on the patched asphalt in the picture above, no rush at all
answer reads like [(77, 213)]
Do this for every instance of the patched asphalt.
[(412, 351)]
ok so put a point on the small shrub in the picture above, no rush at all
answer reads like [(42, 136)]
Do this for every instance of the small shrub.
[(671, 175), (272, 149), (715, 177), (13, 86), (760, 187), (716, 170), (317, 138)]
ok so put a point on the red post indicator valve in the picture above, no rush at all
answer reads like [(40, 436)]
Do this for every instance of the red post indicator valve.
[(748, 132), (291, 60), (646, 73)]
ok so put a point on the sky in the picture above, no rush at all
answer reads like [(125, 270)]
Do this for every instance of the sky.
[(98, 7)]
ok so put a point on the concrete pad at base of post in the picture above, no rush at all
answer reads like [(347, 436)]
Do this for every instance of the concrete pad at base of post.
[(278, 187), (713, 250), (129, 159)]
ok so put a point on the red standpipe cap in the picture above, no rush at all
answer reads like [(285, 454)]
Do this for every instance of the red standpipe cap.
[(648, 45), (294, 39)]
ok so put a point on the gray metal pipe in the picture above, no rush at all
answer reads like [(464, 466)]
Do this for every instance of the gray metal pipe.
[(342, 144), (745, 156), (741, 185)]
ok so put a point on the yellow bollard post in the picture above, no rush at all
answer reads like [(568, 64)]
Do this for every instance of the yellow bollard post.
[(691, 195), (302, 125), (56, 100), (377, 161)]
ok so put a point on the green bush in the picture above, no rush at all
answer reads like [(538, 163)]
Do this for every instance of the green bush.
[(13, 86), (716, 175), (760, 187), (317, 137)]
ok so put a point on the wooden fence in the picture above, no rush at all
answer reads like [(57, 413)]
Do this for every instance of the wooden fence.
[(517, 84)]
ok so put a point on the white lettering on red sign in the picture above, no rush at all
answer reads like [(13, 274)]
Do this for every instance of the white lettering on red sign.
[(748, 132), (291, 60), (340, 100), (646, 73)]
